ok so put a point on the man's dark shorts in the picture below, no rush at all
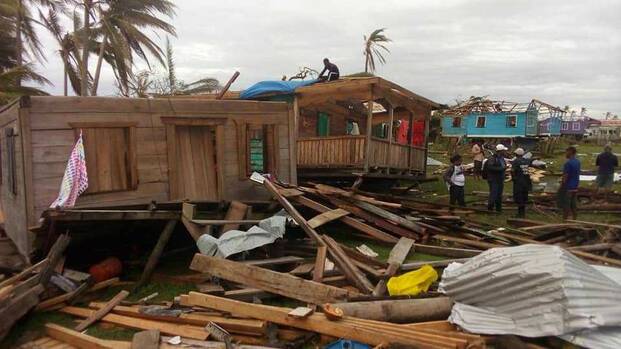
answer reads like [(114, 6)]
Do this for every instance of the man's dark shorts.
[(567, 199)]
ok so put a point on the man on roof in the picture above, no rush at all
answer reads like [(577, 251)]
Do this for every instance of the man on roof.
[(331, 69)]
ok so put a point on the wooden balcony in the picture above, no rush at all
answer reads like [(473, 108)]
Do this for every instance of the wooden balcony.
[(349, 152)]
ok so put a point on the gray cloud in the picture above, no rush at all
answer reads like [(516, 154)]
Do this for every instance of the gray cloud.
[(563, 52)]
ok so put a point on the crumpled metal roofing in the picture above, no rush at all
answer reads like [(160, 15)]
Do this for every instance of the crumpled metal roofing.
[(534, 291)]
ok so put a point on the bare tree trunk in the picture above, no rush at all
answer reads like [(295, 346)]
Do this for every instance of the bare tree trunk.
[(102, 49), (85, 49), (65, 82), (19, 43)]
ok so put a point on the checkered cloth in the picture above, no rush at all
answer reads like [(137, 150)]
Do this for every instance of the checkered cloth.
[(75, 180)]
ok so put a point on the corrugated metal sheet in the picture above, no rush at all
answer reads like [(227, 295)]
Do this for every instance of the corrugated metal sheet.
[(532, 291)]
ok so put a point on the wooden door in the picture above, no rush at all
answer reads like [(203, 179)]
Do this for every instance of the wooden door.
[(195, 165)]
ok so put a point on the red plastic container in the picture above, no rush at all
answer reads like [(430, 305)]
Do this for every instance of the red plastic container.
[(106, 269)]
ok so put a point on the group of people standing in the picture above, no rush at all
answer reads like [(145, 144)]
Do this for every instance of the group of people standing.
[(493, 168)]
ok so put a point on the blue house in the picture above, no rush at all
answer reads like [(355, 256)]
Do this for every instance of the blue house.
[(550, 126), (481, 118)]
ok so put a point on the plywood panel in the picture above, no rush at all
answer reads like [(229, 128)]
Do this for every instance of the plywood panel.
[(195, 163)]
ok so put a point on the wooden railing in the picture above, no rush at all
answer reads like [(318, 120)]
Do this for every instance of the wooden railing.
[(333, 151), (349, 151)]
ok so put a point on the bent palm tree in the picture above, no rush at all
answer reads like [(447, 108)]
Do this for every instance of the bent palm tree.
[(121, 27), (374, 46), (10, 83)]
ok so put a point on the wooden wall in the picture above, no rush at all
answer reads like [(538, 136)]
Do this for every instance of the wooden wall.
[(53, 139), (14, 204)]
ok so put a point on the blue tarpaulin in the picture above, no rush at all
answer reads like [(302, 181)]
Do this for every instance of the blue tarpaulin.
[(264, 87)]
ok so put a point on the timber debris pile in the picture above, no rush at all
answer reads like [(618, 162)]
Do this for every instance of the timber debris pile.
[(285, 281)]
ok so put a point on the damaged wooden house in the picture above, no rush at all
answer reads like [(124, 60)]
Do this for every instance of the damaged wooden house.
[(351, 127), (138, 151)]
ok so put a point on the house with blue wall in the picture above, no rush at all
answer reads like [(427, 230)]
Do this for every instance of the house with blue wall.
[(482, 118), (550, 126)]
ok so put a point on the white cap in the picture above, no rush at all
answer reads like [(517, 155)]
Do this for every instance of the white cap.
[(519, 151), (500, 147)]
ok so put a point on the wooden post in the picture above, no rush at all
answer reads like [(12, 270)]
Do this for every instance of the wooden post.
[(410, 138), (368, 138), (102, 311), (426, 141), (228, 85), (156, 253), (391, 116)]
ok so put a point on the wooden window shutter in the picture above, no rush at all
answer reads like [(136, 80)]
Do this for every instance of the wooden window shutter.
[(110, 154)]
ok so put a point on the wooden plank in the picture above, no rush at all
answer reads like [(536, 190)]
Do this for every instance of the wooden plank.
[(242, 326), (76, 339), (111, 215), (24, 273), (346, 266), (156, 253), (374, 219), (390, 216), (360, 226), (344, 328), (149, 339), (189, 331), (236, 211), (397, 256), (320, 263), (326, 217), (51, 302), (596, 224), (17, 307), (267, 280), (102, 312)]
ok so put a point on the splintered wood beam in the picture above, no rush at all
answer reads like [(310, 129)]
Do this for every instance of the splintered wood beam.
[(102, 312), (156, 253), (390, 216), (397, 256), (297, 217), (346, 266), (279, 283), (320, 263), (327, 217), (356, 224)]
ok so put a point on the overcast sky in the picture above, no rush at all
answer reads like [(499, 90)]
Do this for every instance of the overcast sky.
[(563, 52)]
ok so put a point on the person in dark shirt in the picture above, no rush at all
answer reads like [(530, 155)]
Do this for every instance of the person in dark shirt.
[(331, 69), (494, 171), (606, 163), (567, 195), (521, 181)]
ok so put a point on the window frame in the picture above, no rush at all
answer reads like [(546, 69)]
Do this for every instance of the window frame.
[(573, 126), (511, 117), (565, 126), (457, 122), (131, 161), (270, 145), (481, 117)]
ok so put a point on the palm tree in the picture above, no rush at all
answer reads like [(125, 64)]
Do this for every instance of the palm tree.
[(68, 51), (10, 82), (121, 28), (373, 47), (27, 43)]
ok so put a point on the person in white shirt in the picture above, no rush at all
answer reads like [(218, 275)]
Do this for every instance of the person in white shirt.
[(455, 179)]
